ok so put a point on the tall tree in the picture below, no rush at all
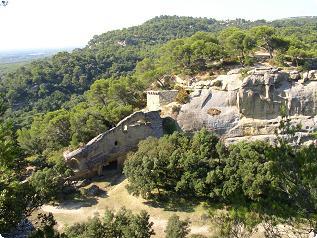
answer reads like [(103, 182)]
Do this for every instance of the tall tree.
[(177, 228), (238, 42), (267, 38)]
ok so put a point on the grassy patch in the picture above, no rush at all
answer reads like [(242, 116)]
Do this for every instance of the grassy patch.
[(80, 209)]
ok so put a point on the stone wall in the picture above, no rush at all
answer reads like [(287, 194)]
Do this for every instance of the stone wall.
[(156, 99), (114, 144), (168, 96)]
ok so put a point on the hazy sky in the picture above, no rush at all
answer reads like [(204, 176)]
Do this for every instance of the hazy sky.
[(67, 23)]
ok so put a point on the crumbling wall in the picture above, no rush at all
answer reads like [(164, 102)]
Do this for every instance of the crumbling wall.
[(114, 143), (167, 96), (156, 99)]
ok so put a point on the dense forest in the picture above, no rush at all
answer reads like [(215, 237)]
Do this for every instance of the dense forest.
[(60, 82), (64, 101), (256, 182)]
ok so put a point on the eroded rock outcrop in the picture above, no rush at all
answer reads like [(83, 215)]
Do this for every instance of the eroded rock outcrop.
[(236, 107), (262, 95), (251, 106), (194, 115)]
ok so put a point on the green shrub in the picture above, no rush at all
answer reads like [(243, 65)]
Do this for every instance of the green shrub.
[(182, 96), (244, 72), (177, 228), (279, 59), (249, 61), (218, 83), (169, 125)]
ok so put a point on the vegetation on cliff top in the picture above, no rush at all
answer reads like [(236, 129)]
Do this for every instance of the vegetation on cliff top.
[(110, 99), (59, 82)]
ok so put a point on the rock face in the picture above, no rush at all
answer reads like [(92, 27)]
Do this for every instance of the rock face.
[(252, 106), (262, 95), (194, 115), (233, 106), (114, 144)]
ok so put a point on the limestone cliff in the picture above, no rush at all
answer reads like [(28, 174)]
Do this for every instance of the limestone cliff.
[(235, 107), (250, 106)]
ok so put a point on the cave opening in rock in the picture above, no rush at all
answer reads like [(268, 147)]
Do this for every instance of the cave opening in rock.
[(113, 165)]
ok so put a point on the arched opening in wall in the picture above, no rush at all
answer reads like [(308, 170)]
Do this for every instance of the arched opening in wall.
[(111, 168), (116, 143)]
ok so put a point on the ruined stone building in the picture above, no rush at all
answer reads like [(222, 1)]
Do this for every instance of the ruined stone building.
[(236, 110), (113, 145), (156, 99)]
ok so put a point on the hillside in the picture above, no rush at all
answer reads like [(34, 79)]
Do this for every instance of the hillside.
[(239, 79), (32, 88), (112, 54), (73, 97)]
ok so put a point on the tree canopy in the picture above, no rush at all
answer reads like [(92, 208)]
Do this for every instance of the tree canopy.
[(268, 179), (68, 99)]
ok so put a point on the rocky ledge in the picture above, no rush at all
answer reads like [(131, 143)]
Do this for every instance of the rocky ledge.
[(249, 106)]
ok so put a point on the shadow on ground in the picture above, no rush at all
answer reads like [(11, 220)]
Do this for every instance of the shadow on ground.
[(173, 203), (109, 178), (78, 203)]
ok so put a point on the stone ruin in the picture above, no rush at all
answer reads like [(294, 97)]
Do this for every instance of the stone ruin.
[(113, 145), (237, 108), (157, 99)]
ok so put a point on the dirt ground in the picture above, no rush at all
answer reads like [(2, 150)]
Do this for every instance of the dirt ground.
[(116, 197)]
